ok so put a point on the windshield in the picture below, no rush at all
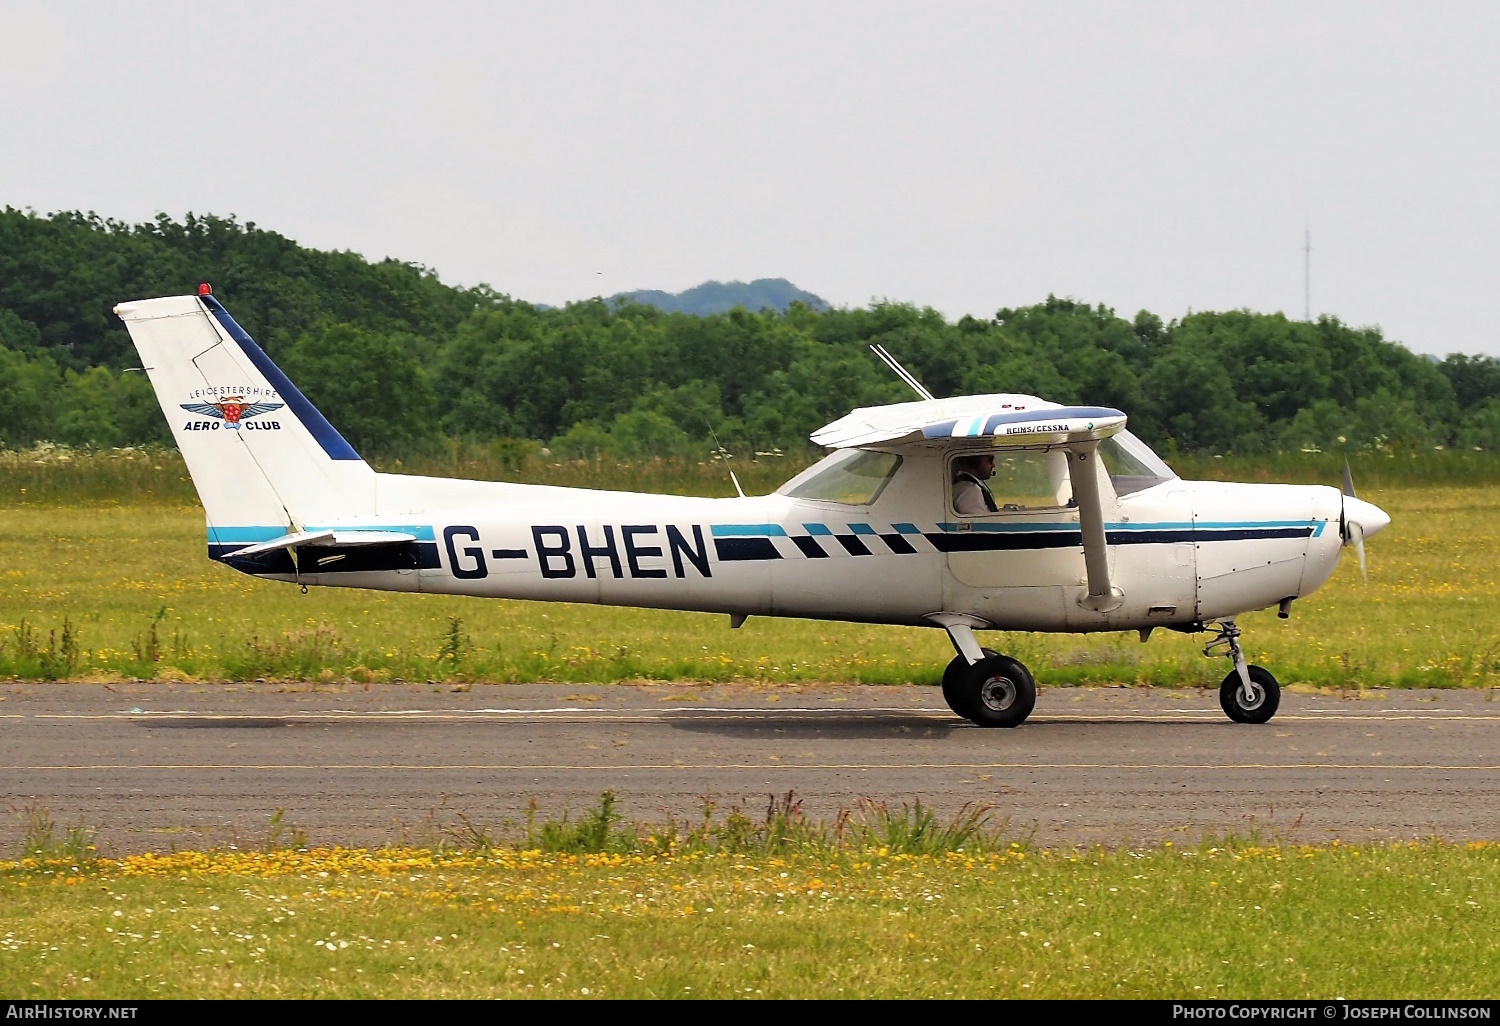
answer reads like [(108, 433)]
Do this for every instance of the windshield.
[(1131, 464), (854, 477)]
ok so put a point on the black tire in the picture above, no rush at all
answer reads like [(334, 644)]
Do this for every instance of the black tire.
[(998, 691), (953, 692), (1268, 696)]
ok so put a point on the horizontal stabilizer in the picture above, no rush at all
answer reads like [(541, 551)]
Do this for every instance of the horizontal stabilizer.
[(342, 538), (326, 538), (286, 541)]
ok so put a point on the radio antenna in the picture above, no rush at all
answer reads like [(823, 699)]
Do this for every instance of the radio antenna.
[(726, 456), (901, 372)]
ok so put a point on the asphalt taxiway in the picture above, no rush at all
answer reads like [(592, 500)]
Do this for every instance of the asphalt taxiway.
[(155, 766)]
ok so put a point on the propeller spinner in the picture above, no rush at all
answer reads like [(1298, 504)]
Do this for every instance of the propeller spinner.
[(1359, 520)]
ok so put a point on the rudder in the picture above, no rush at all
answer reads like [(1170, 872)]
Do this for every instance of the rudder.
[(263, 459)]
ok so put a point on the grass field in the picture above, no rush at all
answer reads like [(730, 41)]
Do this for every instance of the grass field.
[(104, 576), (1229, 920)]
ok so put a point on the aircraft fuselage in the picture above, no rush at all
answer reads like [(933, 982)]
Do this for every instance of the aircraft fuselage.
[(1181, 552)]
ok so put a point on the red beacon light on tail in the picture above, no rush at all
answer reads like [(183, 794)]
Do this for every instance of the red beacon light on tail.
[(205, 289)]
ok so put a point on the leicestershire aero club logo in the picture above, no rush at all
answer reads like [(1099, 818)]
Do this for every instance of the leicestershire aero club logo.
[(231, 409)]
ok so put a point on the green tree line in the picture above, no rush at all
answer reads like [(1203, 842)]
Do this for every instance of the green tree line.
[(402, 363)]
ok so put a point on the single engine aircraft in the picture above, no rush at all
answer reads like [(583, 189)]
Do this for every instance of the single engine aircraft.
[(984, 512)]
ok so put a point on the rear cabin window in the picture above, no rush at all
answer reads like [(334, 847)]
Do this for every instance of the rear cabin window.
[(855, 477)]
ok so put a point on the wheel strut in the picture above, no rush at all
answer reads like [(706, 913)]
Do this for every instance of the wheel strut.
[(1229, 634), (960, 628)]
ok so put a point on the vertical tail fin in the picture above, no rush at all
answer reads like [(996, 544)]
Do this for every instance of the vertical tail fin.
[(263, 459)]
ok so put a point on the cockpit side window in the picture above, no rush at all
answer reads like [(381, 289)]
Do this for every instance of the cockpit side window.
[(854, 477), (1008, 481)]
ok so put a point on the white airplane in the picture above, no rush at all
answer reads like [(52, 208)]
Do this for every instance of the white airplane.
[(1081, 528)]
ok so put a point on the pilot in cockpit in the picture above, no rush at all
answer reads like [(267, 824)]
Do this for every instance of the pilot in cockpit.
[(971, 495)]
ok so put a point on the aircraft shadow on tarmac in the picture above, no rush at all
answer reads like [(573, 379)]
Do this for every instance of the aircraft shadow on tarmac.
[(749, 724), (851, 726), (893, 726)]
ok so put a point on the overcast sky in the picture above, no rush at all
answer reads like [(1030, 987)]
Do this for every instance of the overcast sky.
[(962, 156)]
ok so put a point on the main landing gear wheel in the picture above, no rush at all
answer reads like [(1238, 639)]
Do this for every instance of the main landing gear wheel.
[(953, 692), (997, 691), (1260, 706)]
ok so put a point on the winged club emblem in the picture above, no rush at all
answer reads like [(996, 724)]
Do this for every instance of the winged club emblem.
[(231, 409)]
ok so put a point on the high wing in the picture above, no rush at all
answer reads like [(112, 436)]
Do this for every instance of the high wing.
[(1003, 421), (1006, 420)]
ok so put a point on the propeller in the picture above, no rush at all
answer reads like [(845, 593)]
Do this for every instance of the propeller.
[(1355, 535), (1357, 519), (1351, 530)]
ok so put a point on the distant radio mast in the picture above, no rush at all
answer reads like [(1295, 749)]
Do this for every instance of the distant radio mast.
[(1307, 272)]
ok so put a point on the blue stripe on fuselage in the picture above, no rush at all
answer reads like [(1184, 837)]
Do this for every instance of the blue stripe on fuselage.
[(1313, 527), (753, 542), (747, 530)]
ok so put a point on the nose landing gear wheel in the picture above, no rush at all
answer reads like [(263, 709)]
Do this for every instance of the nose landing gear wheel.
[(997, 691), (1265, 696), (953, 691)]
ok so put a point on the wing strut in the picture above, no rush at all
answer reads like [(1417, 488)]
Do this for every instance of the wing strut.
[(1083, 473)]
